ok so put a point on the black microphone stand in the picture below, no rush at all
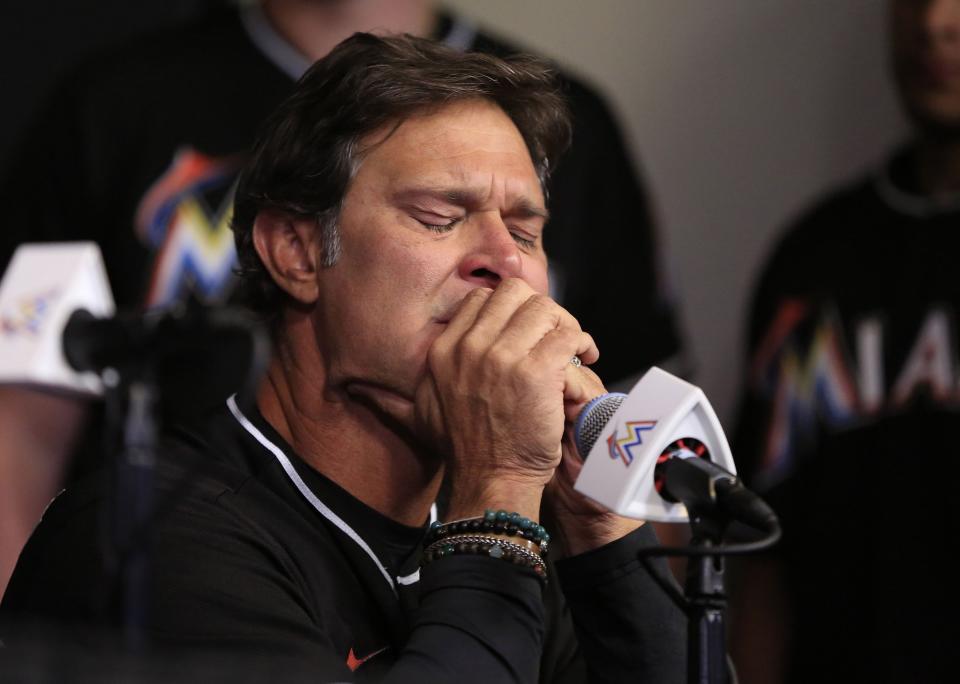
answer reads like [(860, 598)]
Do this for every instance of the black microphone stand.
[(127, 352), (132, 427), (713, 498), (706, 604)]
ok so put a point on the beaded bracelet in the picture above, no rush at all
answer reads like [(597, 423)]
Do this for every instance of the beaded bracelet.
[(496, 522), (480, 544)]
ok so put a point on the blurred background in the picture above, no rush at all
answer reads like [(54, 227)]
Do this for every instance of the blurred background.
[(738, 112)]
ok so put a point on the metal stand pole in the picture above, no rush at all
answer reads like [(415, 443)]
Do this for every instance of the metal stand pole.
[(132, 429), (707, 601)]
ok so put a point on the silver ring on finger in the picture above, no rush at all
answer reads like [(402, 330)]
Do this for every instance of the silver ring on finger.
[(575, 360)]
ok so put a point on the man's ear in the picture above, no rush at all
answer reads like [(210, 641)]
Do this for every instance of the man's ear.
[(289, 247)]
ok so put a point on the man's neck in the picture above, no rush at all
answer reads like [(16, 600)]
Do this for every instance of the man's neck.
[(314, 27), (346, 441), (936, 163)]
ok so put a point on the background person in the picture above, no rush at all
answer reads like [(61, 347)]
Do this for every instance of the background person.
[(852, 399)]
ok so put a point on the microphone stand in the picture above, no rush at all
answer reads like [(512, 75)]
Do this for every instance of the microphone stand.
[(132, 428), (706, 604), (713, 498), (127, 352)]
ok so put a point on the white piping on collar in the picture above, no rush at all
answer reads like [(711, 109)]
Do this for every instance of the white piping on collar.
[(908, 203), (286, 57), (321, 507), (461, 34), (414, 577)]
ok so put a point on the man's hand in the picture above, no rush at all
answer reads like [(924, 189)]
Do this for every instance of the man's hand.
[(582, 525), (493, 396)]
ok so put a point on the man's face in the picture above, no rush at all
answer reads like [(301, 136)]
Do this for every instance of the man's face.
[(447, 202), (926, 60)]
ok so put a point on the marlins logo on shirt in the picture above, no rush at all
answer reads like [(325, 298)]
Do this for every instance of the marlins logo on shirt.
[(185, 217), (816, 376)]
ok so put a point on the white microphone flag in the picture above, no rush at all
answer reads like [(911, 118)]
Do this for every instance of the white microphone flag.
[(661, 413), (44, 284)]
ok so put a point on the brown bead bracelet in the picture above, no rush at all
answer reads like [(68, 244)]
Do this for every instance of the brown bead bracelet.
[(486, 545)]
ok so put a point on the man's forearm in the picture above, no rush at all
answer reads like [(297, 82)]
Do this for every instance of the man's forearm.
[(629, 629)]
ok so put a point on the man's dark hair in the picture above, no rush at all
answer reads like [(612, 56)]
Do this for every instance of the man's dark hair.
[(309, 148)]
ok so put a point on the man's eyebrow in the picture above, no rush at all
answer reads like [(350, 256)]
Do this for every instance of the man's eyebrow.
[(525, 209), (522, 208), (444, 194)]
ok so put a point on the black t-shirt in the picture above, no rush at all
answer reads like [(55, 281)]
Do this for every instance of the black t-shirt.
[(848, 428), (254, 552)]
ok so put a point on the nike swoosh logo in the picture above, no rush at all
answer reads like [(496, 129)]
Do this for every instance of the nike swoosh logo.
[(353, 662)]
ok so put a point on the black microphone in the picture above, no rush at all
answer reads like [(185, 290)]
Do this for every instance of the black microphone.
[(92, 343), (684, 472)]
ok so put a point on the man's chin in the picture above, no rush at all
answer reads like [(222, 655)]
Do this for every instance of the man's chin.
[(394, 412), (386, 403)]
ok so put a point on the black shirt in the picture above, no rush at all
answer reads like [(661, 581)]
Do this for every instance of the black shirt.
[(252, 551)]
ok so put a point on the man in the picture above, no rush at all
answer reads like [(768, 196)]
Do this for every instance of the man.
[(851, 408), (390, 227), (139, 151)]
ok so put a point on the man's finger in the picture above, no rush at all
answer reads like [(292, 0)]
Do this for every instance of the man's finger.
[(588, 350), (581, 386), (499, 309), (464, 318), (532, 320)]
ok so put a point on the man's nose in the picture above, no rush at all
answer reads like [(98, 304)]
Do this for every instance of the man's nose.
[(493, 255)]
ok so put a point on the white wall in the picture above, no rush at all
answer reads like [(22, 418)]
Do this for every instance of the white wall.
[(739, 111)]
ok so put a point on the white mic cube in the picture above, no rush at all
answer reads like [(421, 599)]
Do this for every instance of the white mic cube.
[(660, 410), (44, 284)]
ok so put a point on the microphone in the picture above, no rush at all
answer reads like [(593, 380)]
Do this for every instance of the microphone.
[(705, 488), (58, 330), (659, 453), (93, 343), (43, 286)]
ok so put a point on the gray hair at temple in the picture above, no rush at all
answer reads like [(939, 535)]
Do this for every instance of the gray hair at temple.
[(309, 149)]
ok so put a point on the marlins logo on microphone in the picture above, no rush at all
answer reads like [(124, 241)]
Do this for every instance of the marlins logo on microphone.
[(673, 412), (622, 447), (43, 285), (28, 314)]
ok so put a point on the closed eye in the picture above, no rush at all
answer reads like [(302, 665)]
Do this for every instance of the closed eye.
[(523, 241), (440, 227)]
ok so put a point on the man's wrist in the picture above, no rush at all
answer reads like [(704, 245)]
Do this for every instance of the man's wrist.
[(499, 493), (586, 535)]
